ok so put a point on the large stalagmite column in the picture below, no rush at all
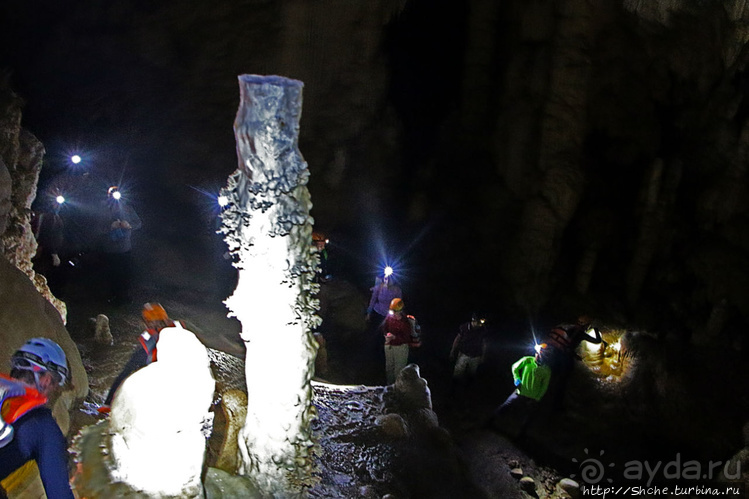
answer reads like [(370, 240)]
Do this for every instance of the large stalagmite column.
[(268, 229)]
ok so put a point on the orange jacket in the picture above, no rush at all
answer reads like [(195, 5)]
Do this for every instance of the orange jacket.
[(17, 399)]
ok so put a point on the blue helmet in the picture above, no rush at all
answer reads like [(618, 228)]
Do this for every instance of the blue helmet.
[(41, 354)]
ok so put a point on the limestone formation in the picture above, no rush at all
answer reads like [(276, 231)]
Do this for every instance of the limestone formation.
[(234, 407), (23, 315), (321, 360), (410, 398), (268, 230), (102, 333), (148, 426), (27, 308), (410, 392), (21, 157), (6, 187)]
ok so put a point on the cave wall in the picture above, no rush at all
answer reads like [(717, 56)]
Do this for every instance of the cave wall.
[(565, 155), (27, 311), (20, 163), (607, 144)]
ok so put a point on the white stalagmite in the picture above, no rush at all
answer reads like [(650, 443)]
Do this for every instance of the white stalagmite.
[(268, 229), (158, 418)]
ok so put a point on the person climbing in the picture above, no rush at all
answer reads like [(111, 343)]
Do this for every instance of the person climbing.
[(28, 432), (400, 334), (469, 348), (531, 375), (563, 341), (155, 318), (119, 221)]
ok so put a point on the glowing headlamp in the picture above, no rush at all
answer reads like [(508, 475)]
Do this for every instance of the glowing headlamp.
[(75, 159), (114, 193), (222, 200), (60, 199), (388, 271)]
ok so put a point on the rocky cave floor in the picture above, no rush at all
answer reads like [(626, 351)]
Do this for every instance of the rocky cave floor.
[(463, 459)]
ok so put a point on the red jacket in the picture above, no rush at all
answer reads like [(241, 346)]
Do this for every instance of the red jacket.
[(399, 327)]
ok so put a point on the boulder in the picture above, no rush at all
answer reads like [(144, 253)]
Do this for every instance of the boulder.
[(26, 314), (528, 484), (392, 425), (570, 487)]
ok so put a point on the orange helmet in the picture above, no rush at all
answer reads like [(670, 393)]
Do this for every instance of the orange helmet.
[(396, 305), (154, 312), (318, 237)]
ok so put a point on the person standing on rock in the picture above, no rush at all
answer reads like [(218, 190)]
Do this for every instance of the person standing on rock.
[(155, 319), (28, 432)]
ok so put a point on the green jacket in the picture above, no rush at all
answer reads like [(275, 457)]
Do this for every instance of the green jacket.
[(534, 377)]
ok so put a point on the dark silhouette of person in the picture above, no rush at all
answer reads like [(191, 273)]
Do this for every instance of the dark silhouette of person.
[(119, 221), (563, 341)]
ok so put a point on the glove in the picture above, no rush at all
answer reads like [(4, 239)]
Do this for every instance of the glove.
[(517, 382), (55, 260), (104, 409)]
